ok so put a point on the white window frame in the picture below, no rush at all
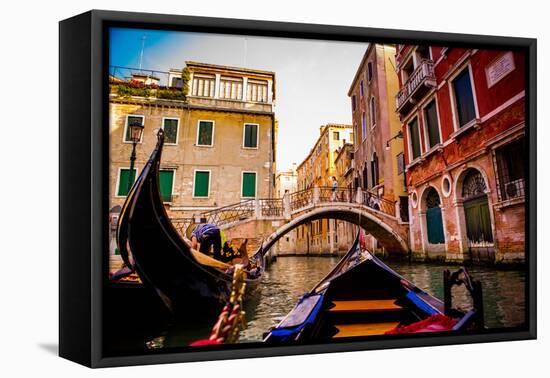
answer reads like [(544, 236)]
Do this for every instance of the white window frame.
[(425, 124), (118, 180), (126, 128), (213, 132), (173, 182), (409, 139), (195, 180), (177, 133), (255, 184), (257, 135), (450, 80)]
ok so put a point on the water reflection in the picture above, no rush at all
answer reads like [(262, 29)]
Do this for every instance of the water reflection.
[(287, 279)]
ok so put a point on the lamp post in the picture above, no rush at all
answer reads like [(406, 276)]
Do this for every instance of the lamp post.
[(136, 130)]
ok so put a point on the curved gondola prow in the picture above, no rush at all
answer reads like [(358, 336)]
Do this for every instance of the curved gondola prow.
[(129, 203), (351, 253)]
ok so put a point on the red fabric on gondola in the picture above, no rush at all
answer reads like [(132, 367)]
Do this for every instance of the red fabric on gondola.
[(205, 342), (435, 323)]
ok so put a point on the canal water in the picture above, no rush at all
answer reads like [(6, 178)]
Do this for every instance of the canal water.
[(289, 277)]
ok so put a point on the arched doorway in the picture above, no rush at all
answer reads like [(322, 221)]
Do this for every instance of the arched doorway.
[(476, 210), (434, 219)]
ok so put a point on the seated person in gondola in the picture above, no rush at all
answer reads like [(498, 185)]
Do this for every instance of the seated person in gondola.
[(205, 236), (230, 254)]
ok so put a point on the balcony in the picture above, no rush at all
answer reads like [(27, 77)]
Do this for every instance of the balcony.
[(418, 84)]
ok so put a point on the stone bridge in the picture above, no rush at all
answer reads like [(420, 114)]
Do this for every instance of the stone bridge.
[(376, 215)]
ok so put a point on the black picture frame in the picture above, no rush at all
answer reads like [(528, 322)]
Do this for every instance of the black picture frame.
[(83, 167)]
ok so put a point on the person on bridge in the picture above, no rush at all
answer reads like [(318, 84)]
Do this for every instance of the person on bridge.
[(334, 188)]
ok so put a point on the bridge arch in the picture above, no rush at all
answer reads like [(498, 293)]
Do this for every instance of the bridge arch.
[(389, 238)]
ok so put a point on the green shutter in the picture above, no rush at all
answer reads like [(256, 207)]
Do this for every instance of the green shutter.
[(478, 220), (171, 130), (202, 184), (166, 179), (251, 135), (206, 129), (124, 176), (249, 184)]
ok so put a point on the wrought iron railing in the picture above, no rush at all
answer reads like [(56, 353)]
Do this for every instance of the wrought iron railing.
[(231, 213), (301, 199), (275, 207), (423, 72), (181, 224), (271, 207)]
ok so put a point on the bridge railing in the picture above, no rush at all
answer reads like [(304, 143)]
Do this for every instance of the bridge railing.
[(275, 207), (270, 207), (374, 201), (338, 194), (301, 199), (181, 224), (231, 213)]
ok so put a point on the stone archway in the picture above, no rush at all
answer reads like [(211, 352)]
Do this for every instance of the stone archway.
[(474, 213), (432, 225), (390, 239)]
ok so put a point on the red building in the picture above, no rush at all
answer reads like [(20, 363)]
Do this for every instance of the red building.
[(463, 120)]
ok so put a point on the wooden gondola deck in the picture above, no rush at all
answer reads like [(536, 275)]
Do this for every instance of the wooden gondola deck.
[(364, 329), (365, 306)]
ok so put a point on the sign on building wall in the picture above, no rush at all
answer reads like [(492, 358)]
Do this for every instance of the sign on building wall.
[(499, 68)]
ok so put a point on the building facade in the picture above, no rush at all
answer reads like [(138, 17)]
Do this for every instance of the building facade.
[(219, 138), (378, 139), (345, 231), (317, 170), (286, 181), (463, 119)]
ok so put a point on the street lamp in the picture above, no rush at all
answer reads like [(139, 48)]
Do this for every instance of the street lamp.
[(136, 130)]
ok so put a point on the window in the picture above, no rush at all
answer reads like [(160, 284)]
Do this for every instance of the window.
[(372, 112), (336, 135), (177, 82), (400, 163), (231, 88), (203, 85), (166, 180), (432, 124), (364, 125), (361, 90), (201, 186), (248, 185), (511, 162), (353, 103), (464, 98), (132, 120), (170, 127), (124, 181), (374, 169), (369, 71), (250, 138), (414, 139), (257, 91), (407, 70), (205, 133)]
